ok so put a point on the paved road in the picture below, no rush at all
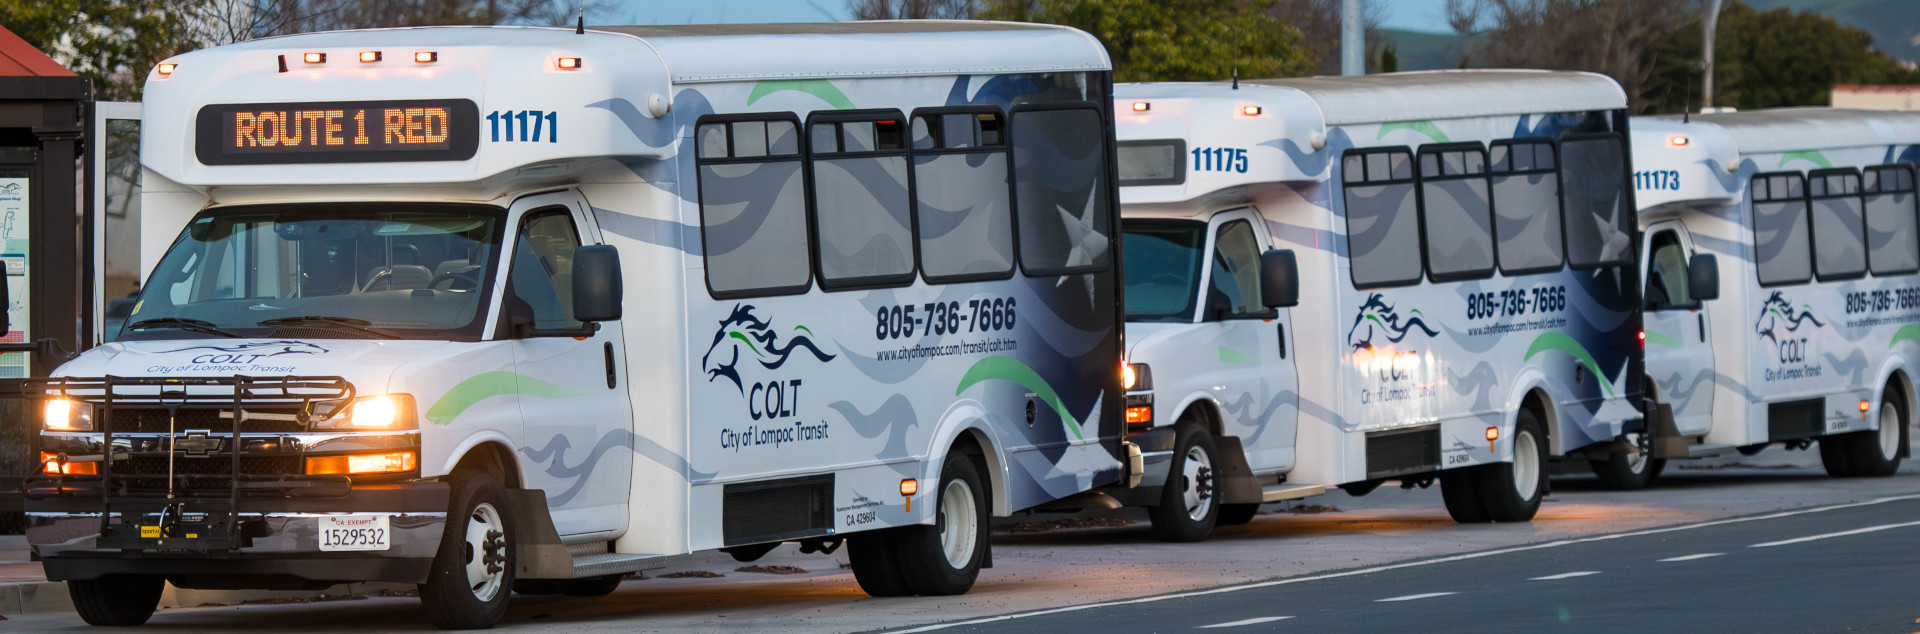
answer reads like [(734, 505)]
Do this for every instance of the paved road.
[(1068, 567), (1828, 569)]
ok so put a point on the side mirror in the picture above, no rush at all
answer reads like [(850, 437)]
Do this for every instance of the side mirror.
[(1703, 277), (596, 283), (1279, 279)]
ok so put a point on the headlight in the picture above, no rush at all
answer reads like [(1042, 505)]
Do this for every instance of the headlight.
[(1136, 376), (374, 413), (65, 414)]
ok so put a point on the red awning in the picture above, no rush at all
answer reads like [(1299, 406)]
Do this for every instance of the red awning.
[(20, 59)]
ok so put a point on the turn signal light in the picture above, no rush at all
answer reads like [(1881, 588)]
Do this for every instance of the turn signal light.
[(1863, 406), (166, 69), (364, 464), (1493, 434), (909, 486), (1139, 414), (56, 464)]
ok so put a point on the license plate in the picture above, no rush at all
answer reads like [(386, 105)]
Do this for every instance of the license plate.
[(354, 532)]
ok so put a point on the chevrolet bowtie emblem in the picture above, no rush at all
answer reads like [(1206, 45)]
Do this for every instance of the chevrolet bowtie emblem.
[(196, 442)]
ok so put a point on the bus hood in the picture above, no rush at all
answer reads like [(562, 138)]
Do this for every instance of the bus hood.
[(1141, 335), (368, 364)]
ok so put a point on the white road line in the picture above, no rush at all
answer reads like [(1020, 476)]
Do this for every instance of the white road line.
[(1411, 597), (1857, 531), (1399, 566), (1693, 557), (1566, 575), (1255, 621)]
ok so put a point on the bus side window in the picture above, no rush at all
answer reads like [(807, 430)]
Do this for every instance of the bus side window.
[(1839, 224), (963, 206), (1599, 222), (1526, 205), (1458, 215), (860, 199), (1780, 242), (1667, 274), (1383, 226), (1893, 237), (542, 268), (753, 206), (1060, 191)]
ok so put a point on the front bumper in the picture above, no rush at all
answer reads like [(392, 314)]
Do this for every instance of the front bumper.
[(279, 543)]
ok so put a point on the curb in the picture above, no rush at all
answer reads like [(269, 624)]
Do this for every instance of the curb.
[(50, 597)]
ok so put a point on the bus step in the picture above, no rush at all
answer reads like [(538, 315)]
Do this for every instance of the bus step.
[(614, 564), (1292, 492)]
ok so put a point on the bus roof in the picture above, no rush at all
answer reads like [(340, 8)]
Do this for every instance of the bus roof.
[(1792, 129), (1454, 94)]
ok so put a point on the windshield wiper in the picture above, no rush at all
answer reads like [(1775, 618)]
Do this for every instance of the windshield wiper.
[(348, 323), (195, 325)]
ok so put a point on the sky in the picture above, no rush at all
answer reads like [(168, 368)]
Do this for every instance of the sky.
[(1416, 15)]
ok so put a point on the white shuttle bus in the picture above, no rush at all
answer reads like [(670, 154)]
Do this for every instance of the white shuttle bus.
[(1815, 333), (499, 310), (1337, 282)]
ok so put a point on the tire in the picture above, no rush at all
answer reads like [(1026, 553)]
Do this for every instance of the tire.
[(1188, 507), (1511, 491), (472, 575), (1236, 514), (939, 560), (1836, 455), (1876, 454), (1460, 489), (1626, 472), (117, 600)]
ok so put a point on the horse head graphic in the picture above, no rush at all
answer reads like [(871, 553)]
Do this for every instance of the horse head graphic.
[(1379, 320), (742, 335), (261, 348), (1777, 315)]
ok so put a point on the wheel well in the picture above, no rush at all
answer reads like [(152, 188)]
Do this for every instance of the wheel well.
[(1536, 400), (495, 460), (974, 445), (1901, 388), (1202, 413)]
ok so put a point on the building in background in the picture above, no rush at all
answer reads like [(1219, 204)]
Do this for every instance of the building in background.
[(1877, 97)]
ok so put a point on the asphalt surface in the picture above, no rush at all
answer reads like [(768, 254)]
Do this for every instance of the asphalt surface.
[(1311, 554), (1830, 569)]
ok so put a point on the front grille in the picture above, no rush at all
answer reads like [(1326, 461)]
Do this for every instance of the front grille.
[(130, 420), (210, 465)]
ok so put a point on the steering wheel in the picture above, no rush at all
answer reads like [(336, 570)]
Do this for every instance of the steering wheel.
[(455, 282), (378, 276)]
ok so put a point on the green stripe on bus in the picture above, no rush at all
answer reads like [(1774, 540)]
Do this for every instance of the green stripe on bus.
[(1010, 369)]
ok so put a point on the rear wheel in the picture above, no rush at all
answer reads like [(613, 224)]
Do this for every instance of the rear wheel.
[(1876, 453), (1460, 489), (472, 575), (117, 600), (1627, 471), (1511, 492), (938, 560), (1836, 454), (1188, 505)]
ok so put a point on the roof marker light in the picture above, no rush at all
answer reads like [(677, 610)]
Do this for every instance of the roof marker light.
[(426, 57), (368, 57), (1678, 141), (1251, 111), (569, 63), (166, 69), (1142, 106), (315, 58)]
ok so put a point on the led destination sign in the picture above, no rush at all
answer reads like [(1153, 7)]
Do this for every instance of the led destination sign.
[(337, 132)]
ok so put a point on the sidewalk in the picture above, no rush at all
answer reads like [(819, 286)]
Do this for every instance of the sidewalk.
[(24, 588)]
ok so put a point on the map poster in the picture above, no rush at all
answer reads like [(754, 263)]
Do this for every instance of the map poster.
[(13, 254)]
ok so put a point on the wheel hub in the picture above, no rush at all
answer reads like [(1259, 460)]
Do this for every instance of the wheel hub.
[(1198, 472), (486, 552), (959, 523)]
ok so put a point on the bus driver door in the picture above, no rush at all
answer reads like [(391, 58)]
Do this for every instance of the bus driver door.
[(1257, 387), (1678, 349), (579, 423)]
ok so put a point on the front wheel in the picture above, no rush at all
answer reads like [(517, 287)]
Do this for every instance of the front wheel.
[(1627, 471), (1876, 454), (117, 600), (472, 575), (1188, 505)]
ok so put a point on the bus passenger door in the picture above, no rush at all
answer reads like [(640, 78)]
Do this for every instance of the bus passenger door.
[(1255, 384), (578, 438), (1679, 352)]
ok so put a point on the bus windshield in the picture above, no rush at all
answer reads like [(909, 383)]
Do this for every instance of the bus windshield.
[(416, 271), (1161, 264)]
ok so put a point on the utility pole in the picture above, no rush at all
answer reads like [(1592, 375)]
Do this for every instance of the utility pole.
[(1706, 58), (1353, 39)]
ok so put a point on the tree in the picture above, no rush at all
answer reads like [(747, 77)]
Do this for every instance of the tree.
[(911, 9), (1767, 59), (1611, 37), (1319, 25), (1175, 40)]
